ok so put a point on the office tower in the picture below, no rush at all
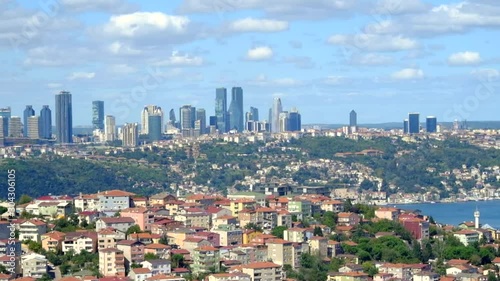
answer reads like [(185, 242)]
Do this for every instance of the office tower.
[(33, 128), (28, 112), (255, 113), (283, 122), (6, 114), (130, 135), (45, 126), (431, 124), (221, 109), (154, 123), (201, 116), (64, 117), (4, 125), (98, 115), (413, 123), (294, 120), (15, 127), (186, 117), (110, 128), (236, 109), (353, 119), (276, 111), (405, 126), (148, 111), (193, 116)]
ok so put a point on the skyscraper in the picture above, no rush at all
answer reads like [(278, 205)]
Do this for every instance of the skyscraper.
[(283, 121), (186, 117), (110, 128), (130, 134), (201, 115), (171, 116), (6, 114), (33, 131), (221, 109), (294, 120), (28, 112), (45, 127), (154, 123), (413, 123), (64, 117), (146, 112), (236, 109), (276, 111), (15, 127), (255, 113), (353, 119), (431, 124), (4, 127), (405, 126), (98, 115)]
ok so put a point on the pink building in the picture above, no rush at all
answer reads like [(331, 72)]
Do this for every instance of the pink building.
[(142, 217)]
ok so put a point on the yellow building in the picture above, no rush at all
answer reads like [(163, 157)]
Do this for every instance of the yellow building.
[(241, 204)]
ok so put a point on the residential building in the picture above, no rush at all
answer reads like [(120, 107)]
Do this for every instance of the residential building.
[(467, 237), (52, 241), (205, 259), (120, 224), (111, 262), (34, 265), (348, 276), (141, 216), (387, 213), (87, 202), (107, 238), (110, 128), (158, 266), (133, 251), (130, 135), (318, 246), (229, 235), (32, 230), (32, 127), (15, 127), (114, 200), (140, 274), (348, 219), (80, 241), (263, 271), (281, 252)]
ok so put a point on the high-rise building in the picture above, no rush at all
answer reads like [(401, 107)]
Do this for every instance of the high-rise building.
[(431, 124), (276, 111), (155, 129), (221, 109), (64, 117), (33, 130), (186, 117), (405, 126), (28, 112), (6, 114), (294, 120), (255, 113), (413, 123), (98, 115), (15, 127), (45, 127), (4, 127), (110, 128), (171, 117), (148, 111), (130, 135), (283, 122), (201, 116), (353, 119), (236, 109)]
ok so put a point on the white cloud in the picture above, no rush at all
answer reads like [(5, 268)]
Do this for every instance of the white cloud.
[(464, 58), (54, 85), (81, 75), (408, 74), (393, 7), (374, 42), (118, 48), (146, 23), (258, 25), (486, 74), (260, 53), (177, 59)]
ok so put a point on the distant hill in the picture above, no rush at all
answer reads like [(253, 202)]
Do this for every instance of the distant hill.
[(399, 125)]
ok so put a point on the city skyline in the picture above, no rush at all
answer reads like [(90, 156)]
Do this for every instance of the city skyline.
[(414, 56)]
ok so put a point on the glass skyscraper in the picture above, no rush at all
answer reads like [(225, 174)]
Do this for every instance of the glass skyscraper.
[(221, 109), (413, 123), (294, 120), (202, 116), (45, 123), (236, 109), (431, 124), (276, 111), (28, 112), (154, 124), (98, 115), (353, 119), (5, 113), (64, 117)]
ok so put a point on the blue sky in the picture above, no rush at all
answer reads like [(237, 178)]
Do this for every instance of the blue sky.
[(383, 58)]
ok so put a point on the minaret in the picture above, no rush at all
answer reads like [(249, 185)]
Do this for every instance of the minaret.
[(476, 218)]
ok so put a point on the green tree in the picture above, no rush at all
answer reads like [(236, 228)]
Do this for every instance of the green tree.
[(133, 229), (3, 210), (278, 231), (369, 268), (177, 260), (24, 199), (150, 256), (317, 231)]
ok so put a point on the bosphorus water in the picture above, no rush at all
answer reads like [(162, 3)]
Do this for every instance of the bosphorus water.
[(456, 213)]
